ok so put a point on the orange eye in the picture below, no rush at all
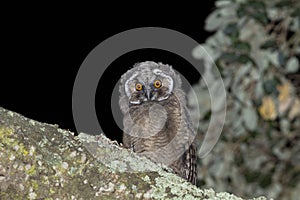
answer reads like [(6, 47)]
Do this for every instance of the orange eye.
[(157, 84), (138, 87)]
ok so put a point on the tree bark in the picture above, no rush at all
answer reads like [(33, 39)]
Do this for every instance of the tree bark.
[(42, 161)]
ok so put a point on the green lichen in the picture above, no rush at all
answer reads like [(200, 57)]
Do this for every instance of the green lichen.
[(146, 179), (174, 186), (34, 184), (31, 170), (5, 136)]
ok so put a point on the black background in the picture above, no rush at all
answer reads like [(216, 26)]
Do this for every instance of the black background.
[(42, 52)]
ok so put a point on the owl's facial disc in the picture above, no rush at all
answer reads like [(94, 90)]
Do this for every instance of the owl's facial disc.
[(157, 87)]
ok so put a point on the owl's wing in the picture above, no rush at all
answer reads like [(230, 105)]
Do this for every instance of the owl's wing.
[(190, 164)]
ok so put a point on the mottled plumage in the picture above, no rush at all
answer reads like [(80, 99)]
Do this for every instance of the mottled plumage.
[(156, 122)]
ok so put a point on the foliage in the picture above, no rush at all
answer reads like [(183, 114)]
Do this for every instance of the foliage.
[(256, 47)]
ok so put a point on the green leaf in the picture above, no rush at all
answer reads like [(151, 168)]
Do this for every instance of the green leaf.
[(229, 57), (231, 30), (251, 176), (242, 71), (261, 17), (236, 58), (244, 59), (281, 58), (270, 86), (241, 11), (223, 3), (243, 47), (296, 12), (285, 3), (259, 91), (213, 21), (265, 180), (257, 5), (254, 9), (292, 65), (285, 126), (250, 118), (269, 44), (295, 24), (273, 58)]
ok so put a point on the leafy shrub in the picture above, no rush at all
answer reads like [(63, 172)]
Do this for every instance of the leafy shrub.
[(256, 47)]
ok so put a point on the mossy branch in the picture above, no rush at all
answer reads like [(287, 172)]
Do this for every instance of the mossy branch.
[(42, 161)]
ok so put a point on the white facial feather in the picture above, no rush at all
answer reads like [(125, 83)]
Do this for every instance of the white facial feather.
[(135, 102), (127, 90)]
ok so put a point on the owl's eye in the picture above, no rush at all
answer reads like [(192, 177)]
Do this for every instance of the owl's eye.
[(157, 84), (138, 87)]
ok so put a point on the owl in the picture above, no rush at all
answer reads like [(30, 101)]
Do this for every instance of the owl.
[(156, 121)]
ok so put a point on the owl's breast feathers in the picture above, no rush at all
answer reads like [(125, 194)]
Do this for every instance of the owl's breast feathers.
[(162, 127)]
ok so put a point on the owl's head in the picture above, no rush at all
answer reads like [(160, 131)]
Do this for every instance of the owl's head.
[(149, 81)]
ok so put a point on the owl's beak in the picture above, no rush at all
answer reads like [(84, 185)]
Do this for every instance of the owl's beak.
[(148, 94)]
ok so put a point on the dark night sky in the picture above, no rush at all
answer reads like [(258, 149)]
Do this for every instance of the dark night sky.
[(42, 55)]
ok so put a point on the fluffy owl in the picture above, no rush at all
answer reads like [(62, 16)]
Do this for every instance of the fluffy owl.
[(156, 121)]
